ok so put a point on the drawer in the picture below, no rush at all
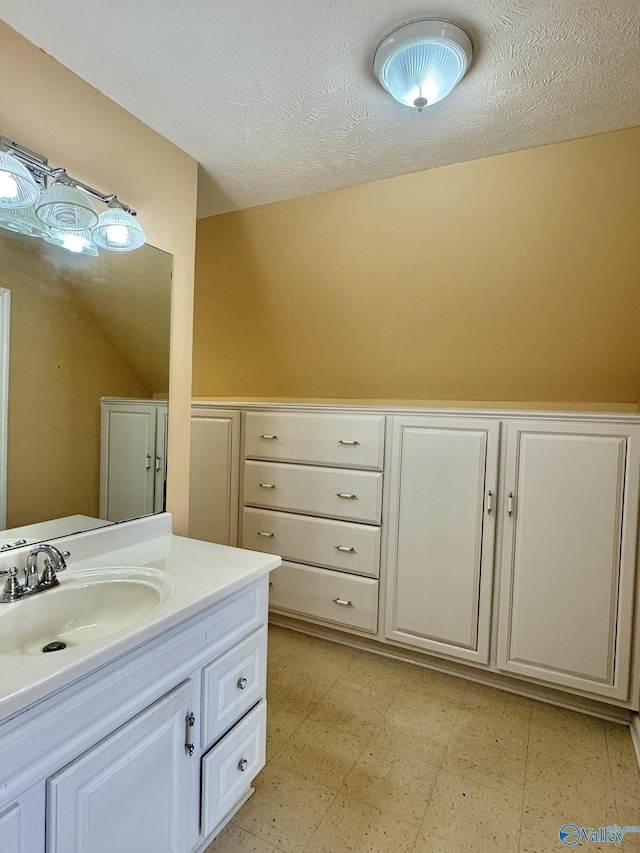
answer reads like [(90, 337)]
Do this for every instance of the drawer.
[(352, 441), (232, 684), (326, 595), (333, 492), (333, 544), (229, 768)]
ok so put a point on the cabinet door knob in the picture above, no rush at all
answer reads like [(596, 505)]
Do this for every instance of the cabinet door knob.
[(269, 437), (264, 533), (346, 496), (242, 683), (348, 443), (242, 765), (342, 602), (266, 485), (346, 549)]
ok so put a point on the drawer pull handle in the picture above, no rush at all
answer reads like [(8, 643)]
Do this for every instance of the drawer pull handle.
[(269, 437), (510, 505), (242, 683), (242, 765), (264, 533), (348, 443), (266, 485), (190, 721), (346, 548), (489, 502), (346, 496), (342, 602)]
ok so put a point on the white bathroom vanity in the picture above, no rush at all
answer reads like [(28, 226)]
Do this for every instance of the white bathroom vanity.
[(144, 734)]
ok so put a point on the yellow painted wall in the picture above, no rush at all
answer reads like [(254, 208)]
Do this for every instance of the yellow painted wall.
[(50, 109), (514, 278)]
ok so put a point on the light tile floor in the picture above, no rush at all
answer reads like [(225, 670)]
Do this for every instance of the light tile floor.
[(371, 755)]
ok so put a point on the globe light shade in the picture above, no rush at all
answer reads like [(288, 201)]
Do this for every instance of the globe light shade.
[(18, 188), (22, 220), (118, 231), (66, 207), (419, 63), (78, 242)]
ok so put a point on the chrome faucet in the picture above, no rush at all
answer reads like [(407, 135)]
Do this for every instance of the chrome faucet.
[(33, 582)]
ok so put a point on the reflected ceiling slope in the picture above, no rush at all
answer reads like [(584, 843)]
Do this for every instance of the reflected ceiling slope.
[(128, 295), (277, 99)]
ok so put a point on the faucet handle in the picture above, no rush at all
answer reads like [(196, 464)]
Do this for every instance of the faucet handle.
[(12, 589)]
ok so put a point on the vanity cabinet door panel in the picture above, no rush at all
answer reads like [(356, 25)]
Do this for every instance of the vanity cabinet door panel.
[(214, 475), (22, 823), (128, 461), (568, 566), (130, 792), (441, 535)]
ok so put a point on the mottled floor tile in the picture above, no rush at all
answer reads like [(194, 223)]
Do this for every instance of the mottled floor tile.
[(296, 688), (350, 710), (622, 759), (320, 754), (490, 760), (375, 675), (282, 645), (285, 809), (393, 783), (501, 714), (233, 839), (427, 843), (559, 792), (422, 685), (482, 819), (354, 827), (281, 724), (418, 734), (566, 734)]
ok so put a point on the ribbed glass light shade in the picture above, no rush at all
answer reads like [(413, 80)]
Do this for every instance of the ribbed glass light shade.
[(23, 220), (79, 242), (420, 63), (118, 231), (66, 207), (17, 187)]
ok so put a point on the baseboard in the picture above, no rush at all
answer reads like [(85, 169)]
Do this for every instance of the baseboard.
[(634, 728), (573, 702)]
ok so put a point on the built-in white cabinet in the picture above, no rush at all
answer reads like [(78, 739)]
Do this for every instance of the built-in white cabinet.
[(569, 553), (131, 791), (154, 751), (442, 520), (214, 474), (133, 459)]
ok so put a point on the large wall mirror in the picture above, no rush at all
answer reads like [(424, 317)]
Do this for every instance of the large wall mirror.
[(81, 329)]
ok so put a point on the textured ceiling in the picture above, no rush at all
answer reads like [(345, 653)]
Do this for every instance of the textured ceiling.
[(276, 98)]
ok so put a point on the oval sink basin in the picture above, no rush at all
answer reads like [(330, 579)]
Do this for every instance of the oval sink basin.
[(87, 606)]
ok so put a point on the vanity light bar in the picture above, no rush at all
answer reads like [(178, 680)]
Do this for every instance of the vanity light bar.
[(40, 169)]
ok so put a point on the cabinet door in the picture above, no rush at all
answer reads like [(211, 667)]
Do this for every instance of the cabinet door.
[(160, 466), (568, 560), (441, 534), (213, 486), (130, 792), (128, 461), (22, 823)]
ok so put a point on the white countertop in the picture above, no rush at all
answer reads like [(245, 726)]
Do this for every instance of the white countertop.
[(201, 574)]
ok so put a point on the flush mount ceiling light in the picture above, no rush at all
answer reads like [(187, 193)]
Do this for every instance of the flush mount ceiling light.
[(419, 63), (41, 201)]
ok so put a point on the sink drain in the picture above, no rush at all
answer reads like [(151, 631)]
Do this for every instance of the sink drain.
[(54, 647)]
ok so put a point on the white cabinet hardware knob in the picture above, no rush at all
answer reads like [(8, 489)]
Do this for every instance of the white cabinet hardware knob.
[(242, 765), (265, 534), (242, 683), (266, 485), (348, 443), (342, 602), (347, 497), (346, 549)]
